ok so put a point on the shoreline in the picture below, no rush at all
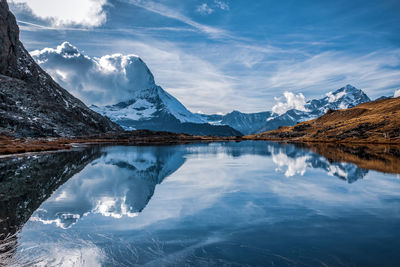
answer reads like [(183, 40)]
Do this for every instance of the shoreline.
[(13, 147)]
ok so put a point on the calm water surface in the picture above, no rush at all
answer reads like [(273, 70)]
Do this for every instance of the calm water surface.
[(226, 204)]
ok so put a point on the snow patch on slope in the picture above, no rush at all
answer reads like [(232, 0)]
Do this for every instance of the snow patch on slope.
[(177, 109), (335, 97)]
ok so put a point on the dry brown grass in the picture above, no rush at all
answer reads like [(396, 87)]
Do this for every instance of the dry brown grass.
[(372, 122)]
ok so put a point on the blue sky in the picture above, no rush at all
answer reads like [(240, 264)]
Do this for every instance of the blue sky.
[(221, 55)]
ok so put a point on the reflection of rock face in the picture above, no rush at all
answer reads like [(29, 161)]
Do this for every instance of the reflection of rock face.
[(120, 183), (26, 182)]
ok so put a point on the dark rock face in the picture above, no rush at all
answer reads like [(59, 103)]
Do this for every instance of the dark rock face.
[(31, 103), (25, 183), (9, 39)]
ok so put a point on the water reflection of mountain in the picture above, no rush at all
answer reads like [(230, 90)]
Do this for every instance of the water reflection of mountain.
[(120, 183), (298, 159), (289, 158), (26, 182)]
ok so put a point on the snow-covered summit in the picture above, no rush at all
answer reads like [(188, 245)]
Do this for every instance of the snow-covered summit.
[(145, 105), (345, 97)]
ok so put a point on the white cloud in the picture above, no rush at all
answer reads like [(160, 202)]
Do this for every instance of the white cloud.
[(106, 80), (88, 13), (222, 5), (397, 93), (293, 101), (204, 9)]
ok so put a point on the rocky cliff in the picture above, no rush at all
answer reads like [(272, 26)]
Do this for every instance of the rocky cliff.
[(31, 103)]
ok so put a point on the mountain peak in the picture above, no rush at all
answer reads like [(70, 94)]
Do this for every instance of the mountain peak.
[(350, 87), (67, 48), (346, 97)]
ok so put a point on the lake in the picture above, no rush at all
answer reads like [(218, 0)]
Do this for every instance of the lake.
[(218, 204)]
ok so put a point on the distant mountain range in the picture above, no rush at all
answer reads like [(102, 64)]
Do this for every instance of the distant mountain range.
[(148, 106), (152, 108), (252, 123)]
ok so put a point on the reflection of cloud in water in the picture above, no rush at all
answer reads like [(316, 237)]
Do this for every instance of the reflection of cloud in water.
[(294, 165), (294, 161), (118, 184)]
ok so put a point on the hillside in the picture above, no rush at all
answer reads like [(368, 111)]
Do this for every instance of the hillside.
[(32, 104), (372, 122)]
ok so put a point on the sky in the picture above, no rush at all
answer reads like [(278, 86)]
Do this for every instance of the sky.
[(216, 56)]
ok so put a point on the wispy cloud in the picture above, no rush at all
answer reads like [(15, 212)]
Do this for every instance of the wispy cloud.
[(371, 71), (174, 14), (29, 26)]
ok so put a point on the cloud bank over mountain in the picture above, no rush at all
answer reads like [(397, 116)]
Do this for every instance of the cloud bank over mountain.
[(293, 101), (101, 81)]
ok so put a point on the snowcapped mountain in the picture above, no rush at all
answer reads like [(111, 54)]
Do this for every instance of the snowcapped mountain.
[(123, 89), (252, 123), (346, 97), (343, 98), (151, 107)]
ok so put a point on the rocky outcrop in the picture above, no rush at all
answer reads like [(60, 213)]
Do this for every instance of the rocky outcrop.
[(31, 103)]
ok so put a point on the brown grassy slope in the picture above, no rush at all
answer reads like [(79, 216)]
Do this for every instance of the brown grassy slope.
[(371, 122)]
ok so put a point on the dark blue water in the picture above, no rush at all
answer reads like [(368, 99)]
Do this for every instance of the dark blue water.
[(226, 204)]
